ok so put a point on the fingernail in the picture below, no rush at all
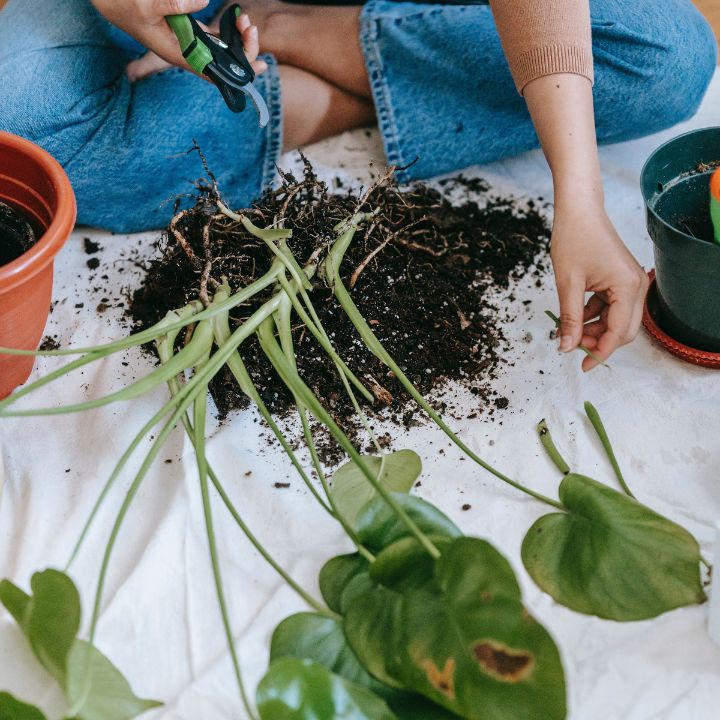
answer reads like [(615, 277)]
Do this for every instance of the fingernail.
[(565, 343)]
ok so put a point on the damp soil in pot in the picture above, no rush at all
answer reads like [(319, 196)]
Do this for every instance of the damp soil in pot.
[(17, 235)]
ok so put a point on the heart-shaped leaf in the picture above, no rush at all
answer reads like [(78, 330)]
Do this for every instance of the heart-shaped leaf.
[(396, 471), (611, 556), (295, 689), (310, 636), (378, 526), (464, 640), (12, 709), (336, 573), (98, 690), (50, 618)]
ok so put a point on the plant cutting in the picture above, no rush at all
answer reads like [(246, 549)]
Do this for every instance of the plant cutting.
[(37, 215), (419, 616)]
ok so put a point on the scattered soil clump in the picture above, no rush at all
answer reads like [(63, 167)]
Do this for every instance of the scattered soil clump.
[(16, 234), (426, 273)]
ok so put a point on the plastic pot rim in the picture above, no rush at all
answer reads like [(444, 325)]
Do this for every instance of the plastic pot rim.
[(646, 200)]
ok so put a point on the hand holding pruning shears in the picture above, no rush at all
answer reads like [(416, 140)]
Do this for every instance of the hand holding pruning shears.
[(147, 22)]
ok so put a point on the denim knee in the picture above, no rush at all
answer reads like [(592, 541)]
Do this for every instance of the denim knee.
[(655, 62), (685, 69)]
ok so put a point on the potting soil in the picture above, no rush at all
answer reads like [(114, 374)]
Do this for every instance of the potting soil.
[(429, 276)]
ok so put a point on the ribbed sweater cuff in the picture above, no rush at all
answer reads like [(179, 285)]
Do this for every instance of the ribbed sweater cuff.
[(550, 60)]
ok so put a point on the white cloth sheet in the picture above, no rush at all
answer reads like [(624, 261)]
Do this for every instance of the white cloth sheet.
[(160, 622)]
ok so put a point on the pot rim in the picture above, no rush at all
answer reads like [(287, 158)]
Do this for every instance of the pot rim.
[(43, 252), (646, 200)]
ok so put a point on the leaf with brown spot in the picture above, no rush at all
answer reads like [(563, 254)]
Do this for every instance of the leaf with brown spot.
[(500, 661), (443, 680), (504, 665)]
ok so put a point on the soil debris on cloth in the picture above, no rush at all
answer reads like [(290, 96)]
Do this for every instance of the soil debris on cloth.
[(431, 276), (16, 234), (90, 246), (49, 342)]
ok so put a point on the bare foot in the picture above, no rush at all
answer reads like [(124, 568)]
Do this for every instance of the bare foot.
[(150, 63), (314, 109), (324, 40)]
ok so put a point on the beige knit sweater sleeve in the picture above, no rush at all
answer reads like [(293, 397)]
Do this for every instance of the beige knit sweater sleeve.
[(544, 37)]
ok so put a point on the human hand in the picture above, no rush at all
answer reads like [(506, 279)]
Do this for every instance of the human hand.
[(145, 21), (589, 256)]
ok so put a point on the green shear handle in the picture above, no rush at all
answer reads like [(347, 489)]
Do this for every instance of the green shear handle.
[(222, 59)]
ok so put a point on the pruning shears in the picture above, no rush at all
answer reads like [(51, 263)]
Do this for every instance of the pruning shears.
[(222, 59)]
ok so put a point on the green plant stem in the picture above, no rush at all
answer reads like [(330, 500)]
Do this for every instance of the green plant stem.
[(332, 275), (113, 477), (169, 339), (299, 388), (186, 397), (346, 376), (159, 329), (302, 283), (165, 351), (586, 350), (597, 423), (550, 448), (311, 602), (266, 337), (186, 358), (199, 419), (90, 357), (252, 538), (187, 394), (236, 366)]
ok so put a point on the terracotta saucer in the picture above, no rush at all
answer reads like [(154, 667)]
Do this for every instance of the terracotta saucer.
[(684, 352)]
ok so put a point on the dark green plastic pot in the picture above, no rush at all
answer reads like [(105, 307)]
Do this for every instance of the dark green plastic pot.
[(676, 189)]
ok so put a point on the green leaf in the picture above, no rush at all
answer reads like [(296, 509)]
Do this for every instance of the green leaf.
[(611, 556), (309, 636), (406, 564), (53, 620), (378, 527), (97, 690), (373, 628), (16, 602), (50, 618), (351, 490), (295, 689), (336, 573), (12, 709), (464, 640), (359, 585)]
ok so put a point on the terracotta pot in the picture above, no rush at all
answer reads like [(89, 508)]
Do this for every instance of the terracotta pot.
[(35, 184)]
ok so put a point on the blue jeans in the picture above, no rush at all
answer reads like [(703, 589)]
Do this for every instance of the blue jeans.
[(440, 83)]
